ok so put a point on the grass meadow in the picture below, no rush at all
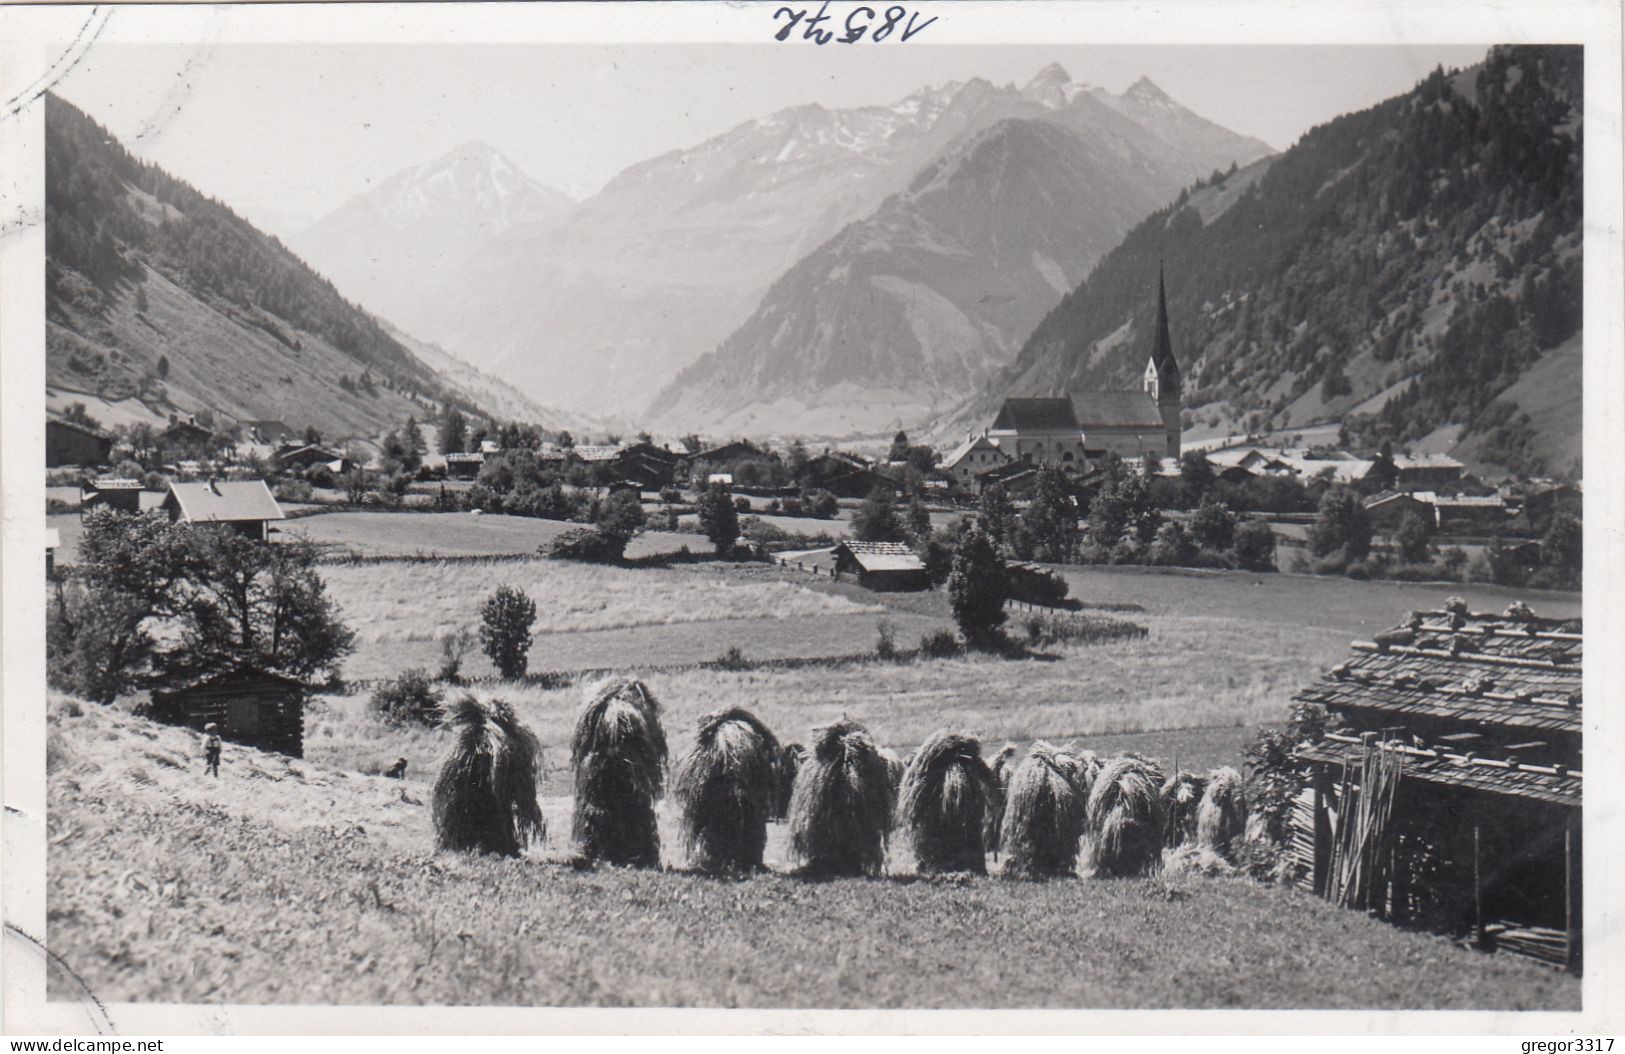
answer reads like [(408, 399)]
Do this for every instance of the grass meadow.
[(171, 886), (378, 534)]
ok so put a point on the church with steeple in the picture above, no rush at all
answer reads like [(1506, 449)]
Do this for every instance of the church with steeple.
[(1073, 432)]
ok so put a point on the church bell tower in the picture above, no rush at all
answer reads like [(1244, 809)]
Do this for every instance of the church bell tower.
[(1162, 381)]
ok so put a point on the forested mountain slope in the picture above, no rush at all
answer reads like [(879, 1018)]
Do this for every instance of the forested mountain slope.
[(154, 289), (1399, 270)]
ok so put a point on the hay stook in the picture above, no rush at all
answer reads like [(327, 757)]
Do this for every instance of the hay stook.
[(485, 794), (840, 811), (728, 786), (619, 756), (1043, 818), (947, 794)]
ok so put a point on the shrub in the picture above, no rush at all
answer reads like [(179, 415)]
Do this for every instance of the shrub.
[(1274, 778), (742, 503), (408, 699), (1213, 526), (453, 647), (293, 490), (591, 545), (1454, 561), (671, 495), (505, 623), (732, 659), (822, 504), (757, 530), (1081, 629), (1172, 547), (939, 644), (886, 640), (1255, 546)]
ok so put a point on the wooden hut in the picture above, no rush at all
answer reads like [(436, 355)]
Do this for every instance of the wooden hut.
[(464, 466), (881, 566), (72, 443), (251, 706), (1448, 794), (123, 495)]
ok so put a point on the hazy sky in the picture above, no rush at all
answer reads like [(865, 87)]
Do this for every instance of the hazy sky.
[(286, 132)]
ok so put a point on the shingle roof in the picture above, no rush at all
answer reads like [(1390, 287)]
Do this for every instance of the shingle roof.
[(1036, 415), (1132, 409), (883, 556), (228, 501), (1559, 788), (1498, 677), (965, 448)]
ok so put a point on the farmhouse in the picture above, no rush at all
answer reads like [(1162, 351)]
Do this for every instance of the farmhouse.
[(184, 434), (1428, 470), (244, 505), (464, 466), (251, 706), (844, 475), (652, 467), (303, 457), (70, 443), (1465, 512), (1389, 507), (881, 566), (975, 455), (1448, 794), (124, 495)]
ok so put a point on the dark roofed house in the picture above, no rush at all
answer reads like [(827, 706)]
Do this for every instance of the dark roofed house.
[(253, 707), (246, 506), (184, 434), (1448, 793), (1389, 507), (1467, 512), (123, 495), (71, 443), (464, 466), (650, 466), (308, 454), (881, 566)]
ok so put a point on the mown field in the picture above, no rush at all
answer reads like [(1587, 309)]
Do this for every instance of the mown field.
[(405, 534), (290, 882)]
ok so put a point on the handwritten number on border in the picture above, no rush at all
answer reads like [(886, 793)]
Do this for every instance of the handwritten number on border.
[(859, 21)]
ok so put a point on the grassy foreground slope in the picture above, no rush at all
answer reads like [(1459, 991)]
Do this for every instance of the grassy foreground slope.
[(287, 882)]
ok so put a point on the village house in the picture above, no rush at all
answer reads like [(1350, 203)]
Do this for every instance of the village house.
[(651, 467), (184, 436), (1427, 471), (246, 506), (1467, 513), (844, 475), (71, 443), (975, 455), (881, 566), (465, 466), (1447, 793), (302, 457), (250, 706), (1387, 509)]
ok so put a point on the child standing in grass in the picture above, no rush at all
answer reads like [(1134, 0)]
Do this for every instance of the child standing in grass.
[(211, 749)]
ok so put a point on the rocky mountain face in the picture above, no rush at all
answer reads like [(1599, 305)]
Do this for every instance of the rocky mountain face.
[(393, 248), (1404, 272), (900, 315), (157, 291), (599, 309)]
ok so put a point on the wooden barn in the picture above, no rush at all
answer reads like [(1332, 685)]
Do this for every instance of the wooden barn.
[(70, 443), (464, 466), (251, 706), (1447, 793), (123, 495), (881, 566)]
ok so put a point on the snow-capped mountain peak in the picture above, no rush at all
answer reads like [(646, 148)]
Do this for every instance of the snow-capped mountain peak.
[(1053, 87)]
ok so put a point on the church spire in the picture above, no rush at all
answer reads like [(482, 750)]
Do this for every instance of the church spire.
[(1162, 350)]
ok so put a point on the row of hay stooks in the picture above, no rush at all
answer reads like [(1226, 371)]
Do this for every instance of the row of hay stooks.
[(843, 800)]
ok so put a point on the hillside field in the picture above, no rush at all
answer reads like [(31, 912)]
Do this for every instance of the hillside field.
[(289, 882)]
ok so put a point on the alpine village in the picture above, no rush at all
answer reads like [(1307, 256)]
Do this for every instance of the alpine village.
[(1116, 563)]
